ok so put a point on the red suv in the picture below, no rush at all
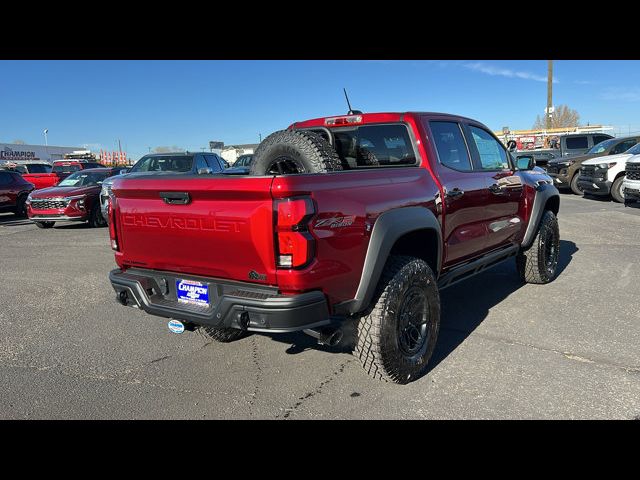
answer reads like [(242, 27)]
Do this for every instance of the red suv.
[(76, 198), (13, 192)]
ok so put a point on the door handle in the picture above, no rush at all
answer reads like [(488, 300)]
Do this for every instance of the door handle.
[(455, 193), (497, 189), (175, 198)]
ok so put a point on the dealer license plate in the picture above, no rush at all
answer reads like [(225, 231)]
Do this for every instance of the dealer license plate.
[(190, 291)]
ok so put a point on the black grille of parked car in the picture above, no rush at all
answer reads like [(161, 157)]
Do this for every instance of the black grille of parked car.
[(588, 170), (633, 171), (48, 203), (553, 168)]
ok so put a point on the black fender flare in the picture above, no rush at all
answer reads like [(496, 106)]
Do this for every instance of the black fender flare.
[(544, 193), (388, 228)]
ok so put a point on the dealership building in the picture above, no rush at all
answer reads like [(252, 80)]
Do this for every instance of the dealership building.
[(15, 152)]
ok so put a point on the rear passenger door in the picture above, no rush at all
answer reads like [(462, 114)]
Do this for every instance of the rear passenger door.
[(465, 192), (5, 189)]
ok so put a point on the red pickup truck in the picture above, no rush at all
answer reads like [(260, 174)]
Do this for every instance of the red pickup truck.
[(39, 174), (362, 217)]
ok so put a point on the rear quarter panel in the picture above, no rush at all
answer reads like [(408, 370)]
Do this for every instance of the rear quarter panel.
[(355, 198)]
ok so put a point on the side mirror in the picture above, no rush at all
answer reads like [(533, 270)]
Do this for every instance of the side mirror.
[(204, 171), (525, 162)]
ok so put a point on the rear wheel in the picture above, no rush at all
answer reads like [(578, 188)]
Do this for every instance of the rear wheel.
[(538, 263), (617, 192), (45, 224), (294, 151), (396, 338), (224, 335), (575, 188)]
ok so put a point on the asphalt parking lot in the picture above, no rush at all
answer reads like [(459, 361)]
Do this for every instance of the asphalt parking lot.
[(566, 350)]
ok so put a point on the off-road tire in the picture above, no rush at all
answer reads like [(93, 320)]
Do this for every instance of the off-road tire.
[(367, 157), (538, 263), (574, 185), (45, 224), (294, 151), (21, 208), (223, 335), (95, 217), (379, 344), (616, 190)]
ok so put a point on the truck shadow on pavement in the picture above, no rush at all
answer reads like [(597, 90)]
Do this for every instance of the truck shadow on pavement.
[(464, 307), (11, 220)]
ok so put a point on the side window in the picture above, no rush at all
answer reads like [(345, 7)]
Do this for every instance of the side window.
[(622, 147), (492, 155), (212, 162), (5, 178), (577, 143), (450, 145), (200, 163)]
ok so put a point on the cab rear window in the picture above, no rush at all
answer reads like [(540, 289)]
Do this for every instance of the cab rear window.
[(375, 146)]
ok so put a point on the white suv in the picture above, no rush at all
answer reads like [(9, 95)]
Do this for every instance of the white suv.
[(604, 175), (631, 183)]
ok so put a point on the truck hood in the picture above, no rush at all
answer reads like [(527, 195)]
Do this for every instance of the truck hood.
[(65, 191), (575, 158), (622, 157)]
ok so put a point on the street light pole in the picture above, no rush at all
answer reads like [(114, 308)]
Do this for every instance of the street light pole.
[(46, 130)]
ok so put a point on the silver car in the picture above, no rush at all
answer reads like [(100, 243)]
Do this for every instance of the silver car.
[(106, 191)]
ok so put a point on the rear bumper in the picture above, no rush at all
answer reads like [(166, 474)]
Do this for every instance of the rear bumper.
[(232, 304), (594, 186)]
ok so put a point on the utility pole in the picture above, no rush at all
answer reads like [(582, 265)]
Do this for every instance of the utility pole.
[(260, 136), (549, 92)]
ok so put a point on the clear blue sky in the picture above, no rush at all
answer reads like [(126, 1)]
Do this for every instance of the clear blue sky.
[(187, 103)]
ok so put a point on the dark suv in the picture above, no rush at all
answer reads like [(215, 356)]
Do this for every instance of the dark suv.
[(13, 193)]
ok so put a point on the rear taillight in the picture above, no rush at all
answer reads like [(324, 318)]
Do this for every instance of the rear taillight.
[(294, 243), (113, 234)]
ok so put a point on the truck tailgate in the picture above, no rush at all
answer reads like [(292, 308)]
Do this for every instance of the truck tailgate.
[(225, 230)]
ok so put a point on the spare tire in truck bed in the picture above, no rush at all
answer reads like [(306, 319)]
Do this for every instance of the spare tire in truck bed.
[(294, 151)]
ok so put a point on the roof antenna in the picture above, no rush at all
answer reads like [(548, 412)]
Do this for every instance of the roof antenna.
[(350, 112)]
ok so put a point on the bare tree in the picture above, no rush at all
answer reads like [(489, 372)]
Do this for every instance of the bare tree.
[(171, 149), (19, 142), (562, 117)]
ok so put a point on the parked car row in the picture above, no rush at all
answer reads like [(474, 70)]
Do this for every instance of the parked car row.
[(602, 171)]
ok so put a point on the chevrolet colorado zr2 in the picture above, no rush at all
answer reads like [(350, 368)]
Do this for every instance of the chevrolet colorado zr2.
[(356, 219)]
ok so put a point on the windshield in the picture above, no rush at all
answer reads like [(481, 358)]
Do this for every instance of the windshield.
[(165, 163), (83, 179), (602, 146), (66, 168), (635, 150)]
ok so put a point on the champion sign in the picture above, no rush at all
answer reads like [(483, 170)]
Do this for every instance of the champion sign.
[(189, 291), (9, 154)]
